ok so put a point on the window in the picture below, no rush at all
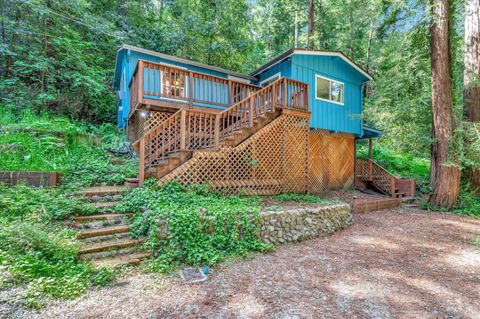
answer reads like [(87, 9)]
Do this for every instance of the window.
[(270, 80), (173, 84), (329, 90)]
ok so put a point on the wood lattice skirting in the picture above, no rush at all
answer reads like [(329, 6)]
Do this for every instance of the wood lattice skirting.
[(284, 156)]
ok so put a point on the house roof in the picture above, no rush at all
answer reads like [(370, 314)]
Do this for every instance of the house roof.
[(181, 60), (290, 52), (368, 132)]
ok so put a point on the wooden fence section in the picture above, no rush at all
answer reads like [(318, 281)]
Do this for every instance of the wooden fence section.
[(154, 81), (332, 160), (383, 180), (37, 179), (141, 123)]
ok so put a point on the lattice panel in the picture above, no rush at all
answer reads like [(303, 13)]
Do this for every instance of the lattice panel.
[(272, 161), (138, 124), (332, 161)]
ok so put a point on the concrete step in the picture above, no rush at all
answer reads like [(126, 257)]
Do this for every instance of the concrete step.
[(103, 231), (128, 259)]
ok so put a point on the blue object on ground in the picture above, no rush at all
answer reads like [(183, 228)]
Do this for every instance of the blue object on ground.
[(205, 270)]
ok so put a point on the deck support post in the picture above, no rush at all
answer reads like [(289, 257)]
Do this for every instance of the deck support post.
[(141, 162), (183, 129), (392, 186), (370, 159), (230, 93)]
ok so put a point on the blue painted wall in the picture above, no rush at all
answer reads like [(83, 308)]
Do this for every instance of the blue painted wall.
[(326, 115)]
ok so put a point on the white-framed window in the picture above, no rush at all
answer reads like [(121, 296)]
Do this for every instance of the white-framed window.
[(329, 90), (270, 80)]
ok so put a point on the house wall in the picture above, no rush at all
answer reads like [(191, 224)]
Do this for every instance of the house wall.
[(327, 115)]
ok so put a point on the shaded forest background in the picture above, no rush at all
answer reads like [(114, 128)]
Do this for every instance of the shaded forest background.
[(58, 55)]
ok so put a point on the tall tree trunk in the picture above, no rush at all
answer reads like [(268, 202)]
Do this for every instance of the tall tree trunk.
[(295, 31), (444, 178), (311, 10), (352, 47), (471, 76)]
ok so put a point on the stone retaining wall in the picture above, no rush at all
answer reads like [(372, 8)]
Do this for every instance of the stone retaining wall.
[(303, 223)]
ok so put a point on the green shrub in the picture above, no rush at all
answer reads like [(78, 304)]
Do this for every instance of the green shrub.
[(45, 259), (190, 212)]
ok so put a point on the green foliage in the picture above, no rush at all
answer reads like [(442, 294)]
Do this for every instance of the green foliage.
[(468, 203), (402, 164), (190, 212), (52, 143), (45, 258), (40, 204)]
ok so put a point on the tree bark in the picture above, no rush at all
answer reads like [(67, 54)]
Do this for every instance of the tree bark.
[(311, 10), (471, 76), (444, 176)]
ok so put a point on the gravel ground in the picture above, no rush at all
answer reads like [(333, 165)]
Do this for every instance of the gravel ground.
[(402, 263)]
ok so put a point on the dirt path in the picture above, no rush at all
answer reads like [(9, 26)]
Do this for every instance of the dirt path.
[(403, 263)]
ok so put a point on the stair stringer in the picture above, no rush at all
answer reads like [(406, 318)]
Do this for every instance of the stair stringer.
[(273, 160)]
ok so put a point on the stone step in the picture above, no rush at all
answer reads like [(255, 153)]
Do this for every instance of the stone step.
[(105, 238), (101, 217), (111, 253), (129, 259), (103, 231), (102, 191), (106, 205), (109, 245), (100, 224)]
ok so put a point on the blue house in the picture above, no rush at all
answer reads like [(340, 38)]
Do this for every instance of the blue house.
[(289, 126)]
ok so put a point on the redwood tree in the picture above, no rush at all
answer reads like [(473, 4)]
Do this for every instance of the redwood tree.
[(471, 77), (444, 174)]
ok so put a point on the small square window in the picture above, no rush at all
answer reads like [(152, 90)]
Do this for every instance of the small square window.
[(330, 90)]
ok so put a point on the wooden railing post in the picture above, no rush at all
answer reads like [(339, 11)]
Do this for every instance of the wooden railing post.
[(274, 97), (307, 97), (230, 93), (285, 94), (217, 131), (250, 117), (369, 170), (392, 185), (183, 129), (141, 162), (190, 89), (141, 78)]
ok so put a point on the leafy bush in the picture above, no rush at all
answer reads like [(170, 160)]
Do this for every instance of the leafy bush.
[(44, 258), (203, 227), (40, 204)]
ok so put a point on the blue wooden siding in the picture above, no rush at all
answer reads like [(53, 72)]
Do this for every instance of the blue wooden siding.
[(283, 67), (326, 115)]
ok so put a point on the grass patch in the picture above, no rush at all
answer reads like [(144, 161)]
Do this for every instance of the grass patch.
[(203, 227), (307, 198)]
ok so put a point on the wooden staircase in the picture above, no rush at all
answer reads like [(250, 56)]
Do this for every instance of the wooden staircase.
[(105, 239), (378, 178), (172, 143)]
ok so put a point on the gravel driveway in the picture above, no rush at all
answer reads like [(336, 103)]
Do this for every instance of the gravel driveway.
[(402, 263)]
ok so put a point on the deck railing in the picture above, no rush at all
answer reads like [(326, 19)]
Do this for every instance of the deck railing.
[(389, 184), (192, 130), (157, 81)]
